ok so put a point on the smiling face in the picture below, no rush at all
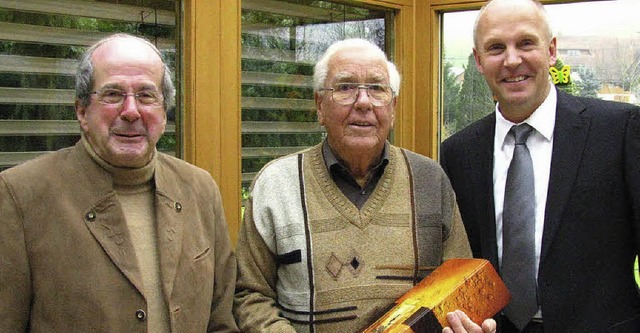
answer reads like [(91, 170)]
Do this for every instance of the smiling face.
[(514, 51), (360, 126), (124, 135)]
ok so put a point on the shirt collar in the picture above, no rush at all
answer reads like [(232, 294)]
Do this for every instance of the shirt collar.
[(330, 160), (543, 119)]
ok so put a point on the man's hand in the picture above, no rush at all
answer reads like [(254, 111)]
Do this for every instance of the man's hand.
[(459, 322)]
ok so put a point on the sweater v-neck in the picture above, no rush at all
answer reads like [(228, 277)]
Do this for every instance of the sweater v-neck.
[(358, 217)]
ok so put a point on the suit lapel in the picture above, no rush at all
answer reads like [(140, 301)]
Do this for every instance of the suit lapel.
[(104, 216), (106, 222), (170, 221), (481, 159), (569, 138)]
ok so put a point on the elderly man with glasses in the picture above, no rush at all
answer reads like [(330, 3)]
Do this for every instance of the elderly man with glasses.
[(334, 234), (110, 235)]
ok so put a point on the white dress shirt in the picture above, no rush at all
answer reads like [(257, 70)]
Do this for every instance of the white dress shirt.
[(540, 144)]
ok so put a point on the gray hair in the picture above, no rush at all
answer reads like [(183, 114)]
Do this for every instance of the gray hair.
[(84, 75), (541, 9), (321, 70)]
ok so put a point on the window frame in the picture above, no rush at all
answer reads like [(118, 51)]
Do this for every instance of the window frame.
[(212, 81)]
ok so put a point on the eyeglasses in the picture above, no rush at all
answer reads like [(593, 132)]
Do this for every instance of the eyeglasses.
[(347, 93), (115, 97)]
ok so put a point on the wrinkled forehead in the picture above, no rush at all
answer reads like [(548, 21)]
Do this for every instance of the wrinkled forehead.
[(126, 51), (127, 58), (361, 76), (357, 65)]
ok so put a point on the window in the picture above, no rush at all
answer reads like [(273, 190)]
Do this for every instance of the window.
[(40, 44), (281, 41), (600, 41)]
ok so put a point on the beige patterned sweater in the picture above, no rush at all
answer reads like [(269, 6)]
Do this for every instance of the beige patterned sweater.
[(310, 261)]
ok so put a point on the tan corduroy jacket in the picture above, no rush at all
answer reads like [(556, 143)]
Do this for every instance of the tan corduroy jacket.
[(66, 258)]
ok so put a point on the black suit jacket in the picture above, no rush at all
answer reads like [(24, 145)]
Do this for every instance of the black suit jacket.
[(592, 217)]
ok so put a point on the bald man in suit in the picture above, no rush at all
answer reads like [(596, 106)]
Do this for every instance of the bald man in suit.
[(586, 163)]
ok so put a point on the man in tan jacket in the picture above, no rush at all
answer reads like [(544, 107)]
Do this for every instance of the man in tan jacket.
[(110, 235)]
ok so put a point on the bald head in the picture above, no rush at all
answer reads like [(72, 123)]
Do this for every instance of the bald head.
[(534, 6)]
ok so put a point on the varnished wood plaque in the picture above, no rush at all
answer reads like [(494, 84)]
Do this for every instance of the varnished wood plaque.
[(470, 285)]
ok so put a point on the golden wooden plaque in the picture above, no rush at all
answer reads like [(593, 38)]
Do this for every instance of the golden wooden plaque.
[(470, 285)]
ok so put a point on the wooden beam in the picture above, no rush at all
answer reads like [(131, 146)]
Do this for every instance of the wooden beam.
[(211, 88)]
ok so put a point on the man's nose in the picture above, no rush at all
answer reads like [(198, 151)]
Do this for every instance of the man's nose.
[(130, 111), (363, 96), (512, 56)]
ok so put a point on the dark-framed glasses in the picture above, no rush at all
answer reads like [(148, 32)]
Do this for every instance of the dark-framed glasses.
[(116, 97), (346, 93)]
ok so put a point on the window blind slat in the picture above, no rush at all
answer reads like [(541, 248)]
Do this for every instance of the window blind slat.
[(264, 103), (278, 127), (47, 127), (37, 96), (276, 79), (269, 151), (95, 9), (60, 36), (299, 10), (26, 64)]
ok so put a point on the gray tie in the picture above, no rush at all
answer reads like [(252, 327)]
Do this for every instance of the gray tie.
[(518, 229)]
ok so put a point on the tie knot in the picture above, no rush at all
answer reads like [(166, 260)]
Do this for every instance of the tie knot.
[(521, 133)]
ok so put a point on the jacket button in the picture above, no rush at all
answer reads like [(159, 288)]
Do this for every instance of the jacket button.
[(178, 207), (90, 216), (141, 315)]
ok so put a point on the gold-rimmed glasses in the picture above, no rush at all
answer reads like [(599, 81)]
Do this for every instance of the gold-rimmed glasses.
[(116, 97), (346, 93)]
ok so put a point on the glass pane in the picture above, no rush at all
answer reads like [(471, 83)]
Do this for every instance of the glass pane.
[(598, 40), (281, 41), (40, 44)]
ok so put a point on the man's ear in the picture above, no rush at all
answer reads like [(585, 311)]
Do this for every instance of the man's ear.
[(478, 63), (318, 99), (553, 52), (394, 103), (81, 113)]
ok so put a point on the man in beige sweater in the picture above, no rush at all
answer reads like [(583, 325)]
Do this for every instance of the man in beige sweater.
[(334, 234), (110, 235)]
